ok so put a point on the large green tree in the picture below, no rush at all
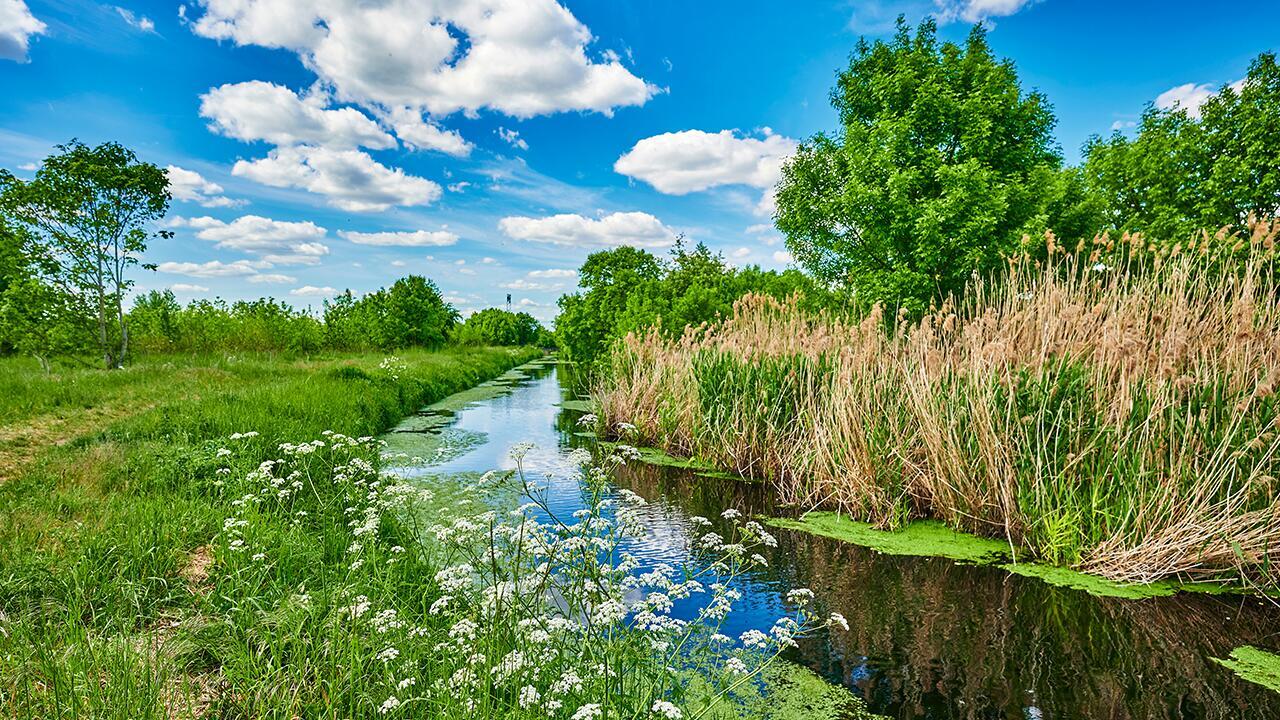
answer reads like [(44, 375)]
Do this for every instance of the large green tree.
[(88, 214), (1188, 169), (941, 163)]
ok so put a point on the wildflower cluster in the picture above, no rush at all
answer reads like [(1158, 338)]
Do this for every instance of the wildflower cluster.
[(507, 612)]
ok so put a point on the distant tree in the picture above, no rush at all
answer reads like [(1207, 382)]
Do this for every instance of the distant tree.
[(494, 326), (940, 166), (88, 213), (589, 321), (1180, 174), (626, 290), (416, 314)]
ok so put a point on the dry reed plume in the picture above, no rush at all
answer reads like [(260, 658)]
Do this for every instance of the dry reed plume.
[(1117, 418)]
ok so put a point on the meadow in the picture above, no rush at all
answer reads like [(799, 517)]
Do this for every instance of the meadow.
[(1109, 407), (220, 537)]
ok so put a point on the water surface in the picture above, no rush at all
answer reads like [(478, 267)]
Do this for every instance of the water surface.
[(928, 638)]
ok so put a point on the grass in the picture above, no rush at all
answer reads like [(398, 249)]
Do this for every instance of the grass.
[(98, 534), (1120, 420), (199, 557)]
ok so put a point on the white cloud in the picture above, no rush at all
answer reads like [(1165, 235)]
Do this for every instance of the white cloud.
[(783, 257), (188, 288), (512, 138), (29, 166), (519, 57), (272, 279), (191, 186), (637, 229), (257, 110), (677, 163), (415, 238), (398, 263), (1191, 96), (277, 241), (421, 134), (973, 11), (211, 269), (740, 253), (459, 186), (140, 22), (313, 291), (17, 25), (522, 284), (349, 178), (1123, 124), (553, 273)]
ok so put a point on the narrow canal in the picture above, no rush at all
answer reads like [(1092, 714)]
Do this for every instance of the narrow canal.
[(928, 638)]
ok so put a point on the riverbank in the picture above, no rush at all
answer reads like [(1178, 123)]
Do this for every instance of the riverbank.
[(1120, 421), (109, 521)]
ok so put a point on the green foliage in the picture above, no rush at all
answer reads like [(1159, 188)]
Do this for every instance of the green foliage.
[(159, 324), (627, 290), (87, 216), (494, 326), (411, 313), (1181, 174), (941, 164)]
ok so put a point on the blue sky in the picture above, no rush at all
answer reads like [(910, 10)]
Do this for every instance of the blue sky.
[(318, 145)]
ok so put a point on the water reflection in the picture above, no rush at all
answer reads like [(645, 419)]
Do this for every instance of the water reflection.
[(928, 638)]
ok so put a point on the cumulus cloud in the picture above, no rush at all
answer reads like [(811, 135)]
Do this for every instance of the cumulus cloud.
[(415, 238), (1190, 97), (313, 291), (211, 269), (677, 163), (271, 279), (421, 134), (523, 284), (553, 273), (257, 110), (191, 186), (519, 57), (973, 11), (188, 288), (17, 25), (512, 138), (636, 229), (350, 179), (276, 241), (783, 257)]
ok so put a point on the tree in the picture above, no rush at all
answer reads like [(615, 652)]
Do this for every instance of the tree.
[(494, 326), (588, 321), (940, 166), (88, 213), (1181, 174), (42, 320)]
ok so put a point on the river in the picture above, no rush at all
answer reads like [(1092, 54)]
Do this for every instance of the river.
[(929, 637)]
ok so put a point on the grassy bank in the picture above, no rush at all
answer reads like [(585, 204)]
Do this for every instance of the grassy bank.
[(1120, 419), (240, 551), (108, 513)]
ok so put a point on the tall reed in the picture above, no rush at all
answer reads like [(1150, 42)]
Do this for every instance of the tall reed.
[(1110, 407)]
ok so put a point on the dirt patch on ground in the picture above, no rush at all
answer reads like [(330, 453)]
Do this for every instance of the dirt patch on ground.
[(196, 571), (21, 442)]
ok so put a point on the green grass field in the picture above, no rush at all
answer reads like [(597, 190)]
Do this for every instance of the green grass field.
[(106, 517)]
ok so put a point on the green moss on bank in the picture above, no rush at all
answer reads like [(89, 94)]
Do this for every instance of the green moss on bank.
[(1254, 665), (923, 538), (930, 538)]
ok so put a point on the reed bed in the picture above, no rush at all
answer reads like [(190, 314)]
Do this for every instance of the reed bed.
[(1110, 407)]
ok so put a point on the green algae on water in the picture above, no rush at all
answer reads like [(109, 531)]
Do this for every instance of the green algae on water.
[(1254, 665), (1092, 584), (577, 405), (787, 691), (921, 538)]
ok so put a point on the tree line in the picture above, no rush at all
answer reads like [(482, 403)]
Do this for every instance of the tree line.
[(70, 237)]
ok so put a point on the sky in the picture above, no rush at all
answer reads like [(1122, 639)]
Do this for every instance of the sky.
[(319, 145)]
